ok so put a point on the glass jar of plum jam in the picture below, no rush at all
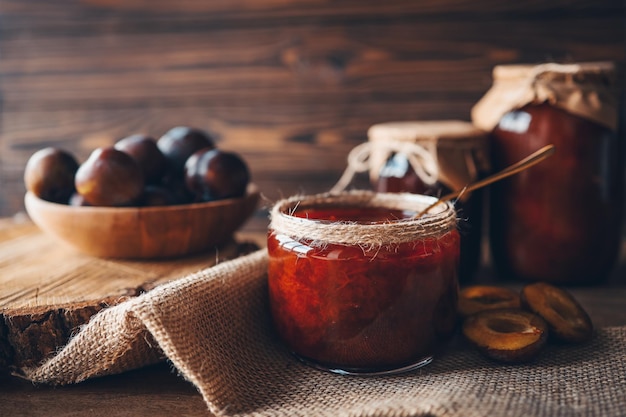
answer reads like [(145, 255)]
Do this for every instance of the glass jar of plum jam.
[(435, 158), (358, 285), (559, 221)]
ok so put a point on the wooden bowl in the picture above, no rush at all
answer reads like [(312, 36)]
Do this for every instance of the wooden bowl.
[(143, 232)]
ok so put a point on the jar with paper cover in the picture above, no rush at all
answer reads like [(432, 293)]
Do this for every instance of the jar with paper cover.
[(558, 221), (432, 158)]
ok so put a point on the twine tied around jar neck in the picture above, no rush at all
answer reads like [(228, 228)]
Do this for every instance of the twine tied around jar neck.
[(318, 233), (422, 160)]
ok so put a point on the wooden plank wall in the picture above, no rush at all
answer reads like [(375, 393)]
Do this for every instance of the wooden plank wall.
[(292, 85)]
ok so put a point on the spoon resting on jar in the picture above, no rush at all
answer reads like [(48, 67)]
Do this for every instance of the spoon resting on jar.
[(516, 168)]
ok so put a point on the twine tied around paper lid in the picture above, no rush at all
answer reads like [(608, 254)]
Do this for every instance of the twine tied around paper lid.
[(540, 69), (366, 235), (423, 160), (588, 90)]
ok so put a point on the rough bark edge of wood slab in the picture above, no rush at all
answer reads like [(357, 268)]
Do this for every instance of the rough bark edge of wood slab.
[(28, 336)]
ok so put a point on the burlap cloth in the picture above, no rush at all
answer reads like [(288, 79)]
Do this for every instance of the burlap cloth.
[(214, 327)]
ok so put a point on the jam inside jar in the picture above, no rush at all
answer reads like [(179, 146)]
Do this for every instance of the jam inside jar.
[(559, 221), (345, 301)]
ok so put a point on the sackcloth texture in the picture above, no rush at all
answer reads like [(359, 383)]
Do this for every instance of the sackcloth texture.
[(215, 328)]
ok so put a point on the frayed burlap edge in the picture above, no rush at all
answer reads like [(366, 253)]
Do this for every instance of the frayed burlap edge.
[(178, 320)]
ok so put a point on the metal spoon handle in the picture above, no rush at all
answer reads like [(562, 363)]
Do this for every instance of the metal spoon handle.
[(517, 167)]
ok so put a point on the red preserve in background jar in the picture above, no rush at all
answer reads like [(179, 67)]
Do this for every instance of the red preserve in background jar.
[(559, 221), (435, 158), (358, 286)]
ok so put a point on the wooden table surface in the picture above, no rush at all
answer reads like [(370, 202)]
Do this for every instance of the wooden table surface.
[(158, 390)]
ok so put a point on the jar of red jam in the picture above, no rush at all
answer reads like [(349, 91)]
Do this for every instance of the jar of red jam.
[(435, 158), (560, 220), (358, 285)]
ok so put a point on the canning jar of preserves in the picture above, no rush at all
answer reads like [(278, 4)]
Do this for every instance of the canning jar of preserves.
[(560, 220), (358, 285), (434, 158)]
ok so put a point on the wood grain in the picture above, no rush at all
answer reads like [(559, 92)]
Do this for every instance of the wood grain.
[(292, 85), (152, 391), (48, 290)]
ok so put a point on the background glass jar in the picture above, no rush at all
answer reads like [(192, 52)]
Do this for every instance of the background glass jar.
[(357, 285), (561, 220), (459, 152)]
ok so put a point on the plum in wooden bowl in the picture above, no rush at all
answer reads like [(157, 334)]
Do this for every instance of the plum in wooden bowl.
[(142, 198), (144, 232)]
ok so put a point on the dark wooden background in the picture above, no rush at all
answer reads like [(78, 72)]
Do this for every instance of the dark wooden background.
[(292, 85)]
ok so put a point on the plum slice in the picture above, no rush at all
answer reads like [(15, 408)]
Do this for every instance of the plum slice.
[(567, 320), (506, 335), (486, 297)]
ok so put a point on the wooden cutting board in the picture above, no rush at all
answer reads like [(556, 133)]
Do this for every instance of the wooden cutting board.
[(48, 290)]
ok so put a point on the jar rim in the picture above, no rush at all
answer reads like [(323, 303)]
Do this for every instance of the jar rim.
[(438, 221)]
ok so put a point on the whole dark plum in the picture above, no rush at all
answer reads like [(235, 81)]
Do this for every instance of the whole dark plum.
[(109, 177), (147, 154), (155, 195), (179, 191), (178, 144), (213, 174), (49, 174)]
